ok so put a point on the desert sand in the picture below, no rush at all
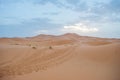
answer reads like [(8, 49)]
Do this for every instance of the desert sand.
[(64, 57)]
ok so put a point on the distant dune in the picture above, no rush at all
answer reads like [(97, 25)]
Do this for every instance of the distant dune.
[(64, 57)]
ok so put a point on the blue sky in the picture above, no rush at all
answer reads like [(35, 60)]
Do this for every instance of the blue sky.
[(22, 18)]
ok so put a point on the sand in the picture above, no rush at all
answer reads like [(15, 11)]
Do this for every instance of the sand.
[(64, 57)]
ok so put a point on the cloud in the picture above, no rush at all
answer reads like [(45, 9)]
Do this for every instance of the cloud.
[(78, 28), (41, 32)]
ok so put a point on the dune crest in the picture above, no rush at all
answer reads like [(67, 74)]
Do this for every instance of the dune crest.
[(48, 54)]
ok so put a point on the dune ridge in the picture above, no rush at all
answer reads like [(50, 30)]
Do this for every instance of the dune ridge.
[(24, 56)]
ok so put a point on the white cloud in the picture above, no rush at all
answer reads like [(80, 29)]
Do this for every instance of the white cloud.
[(41, 32), (78, 28)]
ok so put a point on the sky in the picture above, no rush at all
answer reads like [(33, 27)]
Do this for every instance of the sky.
[(25, 18)]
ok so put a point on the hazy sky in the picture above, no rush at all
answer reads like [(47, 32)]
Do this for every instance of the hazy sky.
[(21, 18)]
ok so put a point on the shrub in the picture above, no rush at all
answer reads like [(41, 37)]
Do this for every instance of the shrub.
[(16, 44), (29, 44), (50, 47), (34, 47)]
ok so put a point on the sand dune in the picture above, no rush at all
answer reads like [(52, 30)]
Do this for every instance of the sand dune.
[(64, 57)]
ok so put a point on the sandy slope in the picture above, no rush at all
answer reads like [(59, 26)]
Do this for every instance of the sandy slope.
[(66, 57)]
